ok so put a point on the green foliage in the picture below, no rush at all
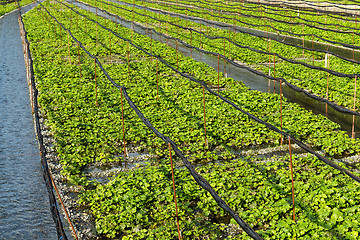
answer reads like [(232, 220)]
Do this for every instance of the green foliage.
[(12, 6), (139, 204), (341, 90)]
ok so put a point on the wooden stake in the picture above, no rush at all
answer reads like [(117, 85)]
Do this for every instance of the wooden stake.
[(281, 120), (191, 41), (229, 42), (96, 100), (70, 19), (123, 123), (269, 44), (79, 60), (128, 61), (176, 207), (292, 179), (274, 72), (219, 73), (54, 27), (327, 61), (177, 58), (85, 26), (69, 47), (353, 48), (96, 34), (206, 142), (313, 48), (303, 40), (353, 125), (151, 42), (224, 59), (167, 30), (157, 80), (110, 46)]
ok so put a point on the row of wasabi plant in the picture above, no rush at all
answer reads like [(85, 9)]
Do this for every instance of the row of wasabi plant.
[(84, 113), (269, 19), (340, 90)]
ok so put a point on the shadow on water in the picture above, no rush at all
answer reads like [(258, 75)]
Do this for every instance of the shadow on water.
[(251, 80), (24, 201)]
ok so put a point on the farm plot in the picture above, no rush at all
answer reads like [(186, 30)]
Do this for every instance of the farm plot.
[(106, 91), (322, 72)]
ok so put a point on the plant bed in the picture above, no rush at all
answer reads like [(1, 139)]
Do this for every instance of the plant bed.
[(84, 118)]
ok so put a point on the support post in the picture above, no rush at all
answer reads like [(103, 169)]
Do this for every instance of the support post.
[(206, 142), (173, 180), (292, 179)]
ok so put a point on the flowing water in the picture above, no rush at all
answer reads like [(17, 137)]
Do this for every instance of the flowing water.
[(24, 200)]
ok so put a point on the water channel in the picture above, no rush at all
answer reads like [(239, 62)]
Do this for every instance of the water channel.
[(24, 200)]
